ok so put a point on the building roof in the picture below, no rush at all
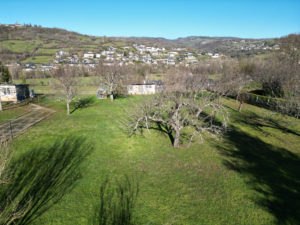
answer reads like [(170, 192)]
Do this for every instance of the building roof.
[(14, 84), (149, 82)]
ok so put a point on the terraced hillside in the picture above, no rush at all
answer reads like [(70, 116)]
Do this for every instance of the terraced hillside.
[(39, 45)]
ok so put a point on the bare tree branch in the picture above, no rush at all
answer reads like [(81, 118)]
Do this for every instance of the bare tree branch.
[(176, 111), (67, 78)]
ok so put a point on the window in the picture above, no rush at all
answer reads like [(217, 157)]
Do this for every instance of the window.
[(148, 86), (5, 91)]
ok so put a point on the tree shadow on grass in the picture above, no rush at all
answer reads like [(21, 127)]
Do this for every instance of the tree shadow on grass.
[(41, 177), (82, 103), (258, 122), (160, 127), (274, 173), (165, 129), (115, 202)]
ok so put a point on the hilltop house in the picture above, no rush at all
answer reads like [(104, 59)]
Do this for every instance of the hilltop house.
[(145, 88), (61, 53), (88, 55), (14, 92), (173, 54)]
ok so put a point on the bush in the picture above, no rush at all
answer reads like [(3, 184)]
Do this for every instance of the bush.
[(273, 88), (4, 74)]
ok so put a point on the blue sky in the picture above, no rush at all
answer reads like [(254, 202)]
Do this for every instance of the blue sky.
[(164, 18)]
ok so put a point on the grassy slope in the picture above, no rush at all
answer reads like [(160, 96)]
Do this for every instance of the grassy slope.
[(19, 45), (47, 51), (217, 182), (41, 59)]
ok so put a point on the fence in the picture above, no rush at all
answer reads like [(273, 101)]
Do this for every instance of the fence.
[(12, 128), (291, 108)]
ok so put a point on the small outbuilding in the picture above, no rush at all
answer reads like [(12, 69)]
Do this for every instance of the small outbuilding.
[(102, 93), (14, 92), (145, 88)]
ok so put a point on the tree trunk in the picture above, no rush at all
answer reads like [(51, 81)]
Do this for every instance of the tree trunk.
[(0, 104), (240, 106), (176, 139), (219, 100), (68, 108), (111, 97)]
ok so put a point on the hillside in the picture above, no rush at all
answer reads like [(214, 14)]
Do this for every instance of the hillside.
[(38, 44)]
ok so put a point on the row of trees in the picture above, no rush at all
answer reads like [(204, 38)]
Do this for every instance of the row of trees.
[(110, 77)]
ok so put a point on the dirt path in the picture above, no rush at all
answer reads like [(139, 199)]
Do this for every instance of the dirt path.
[(23, 122)]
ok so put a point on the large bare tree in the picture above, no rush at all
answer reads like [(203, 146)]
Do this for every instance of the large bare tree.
[(110, 77), (228, 82), (67, 78), (173, 111)]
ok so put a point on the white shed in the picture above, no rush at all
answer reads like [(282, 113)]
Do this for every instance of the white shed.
[(14, 92), (146, 88)]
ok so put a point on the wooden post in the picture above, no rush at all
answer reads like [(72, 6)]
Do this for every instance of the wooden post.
[(11, 133)]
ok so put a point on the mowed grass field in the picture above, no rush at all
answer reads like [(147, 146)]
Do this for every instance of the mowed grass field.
[(42, 59), (250, 176), (19, 45), (87, 85)]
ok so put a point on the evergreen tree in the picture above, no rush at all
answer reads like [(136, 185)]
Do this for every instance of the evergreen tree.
[(4, 74)]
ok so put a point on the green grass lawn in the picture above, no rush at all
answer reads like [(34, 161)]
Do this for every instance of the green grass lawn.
[(19, 45), (251, 176), (88, 85), (13, 113), (41, 59), (51, 44), (115, 44), (47, 51)]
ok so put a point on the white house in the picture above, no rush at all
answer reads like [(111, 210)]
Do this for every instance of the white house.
[(61, 53), (155, 53), (190, 56), (171, 62), (88, 55), (215, 56), (110, 57), (173, 54), (145, 88)]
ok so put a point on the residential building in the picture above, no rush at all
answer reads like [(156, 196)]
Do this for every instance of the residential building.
[(88, 55)]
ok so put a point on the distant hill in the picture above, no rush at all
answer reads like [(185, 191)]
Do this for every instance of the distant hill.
[(21, 43)]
